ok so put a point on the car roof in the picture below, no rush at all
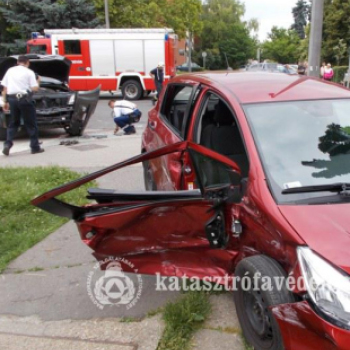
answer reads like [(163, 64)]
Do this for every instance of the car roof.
[(255, 87)]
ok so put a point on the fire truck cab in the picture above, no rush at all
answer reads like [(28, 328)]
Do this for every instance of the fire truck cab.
[(115, 59)]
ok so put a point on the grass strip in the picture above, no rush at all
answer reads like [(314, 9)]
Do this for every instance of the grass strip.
[(21, 224), (182, 318)]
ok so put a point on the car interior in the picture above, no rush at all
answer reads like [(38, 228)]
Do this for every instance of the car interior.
[(217, 130)]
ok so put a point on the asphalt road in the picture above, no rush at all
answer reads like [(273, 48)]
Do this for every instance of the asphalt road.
[(102, 119)]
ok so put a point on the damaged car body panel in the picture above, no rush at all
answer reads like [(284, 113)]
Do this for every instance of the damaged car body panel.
[(110, 228), (56, 105), (300, 321)]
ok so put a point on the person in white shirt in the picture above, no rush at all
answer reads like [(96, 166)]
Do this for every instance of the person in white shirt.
[(125, 114), (19, 83)]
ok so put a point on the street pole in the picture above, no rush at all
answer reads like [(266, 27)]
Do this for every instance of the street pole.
[(107, 14), (189, 51), (315, 41)]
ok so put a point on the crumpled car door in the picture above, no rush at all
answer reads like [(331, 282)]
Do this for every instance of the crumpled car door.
[(172, 233)]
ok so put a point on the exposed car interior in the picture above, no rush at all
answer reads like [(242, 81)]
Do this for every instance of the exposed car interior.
[(217, 130), (174, 109)]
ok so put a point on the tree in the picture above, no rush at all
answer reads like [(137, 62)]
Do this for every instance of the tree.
[(282, 45), (26, 16), (225, 34), (301, 13), (340, 51), (180, 15), (336, 26), (71, 13)]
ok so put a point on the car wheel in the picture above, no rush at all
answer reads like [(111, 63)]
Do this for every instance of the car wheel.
[(253, 302), (132, 90), (3, 134), (150, 184)]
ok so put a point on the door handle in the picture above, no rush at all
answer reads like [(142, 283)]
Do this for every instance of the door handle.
[(152, 125)]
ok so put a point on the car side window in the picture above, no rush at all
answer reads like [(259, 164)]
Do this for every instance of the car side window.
[(72, 47), (175, 104), (217, 129)]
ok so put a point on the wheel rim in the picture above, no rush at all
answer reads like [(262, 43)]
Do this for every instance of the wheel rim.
[(131, 91), (257, 314)]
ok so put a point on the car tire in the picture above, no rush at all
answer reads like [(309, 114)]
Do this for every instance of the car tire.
[(150, 184), (259, 326), (132, 90), (3, 134)]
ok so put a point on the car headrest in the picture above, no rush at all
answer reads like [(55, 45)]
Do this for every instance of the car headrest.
[(222, 115)]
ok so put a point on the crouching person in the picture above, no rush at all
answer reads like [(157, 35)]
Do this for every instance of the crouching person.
[(125, 114)]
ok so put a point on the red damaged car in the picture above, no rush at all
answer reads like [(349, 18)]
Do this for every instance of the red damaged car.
[(250, 175)]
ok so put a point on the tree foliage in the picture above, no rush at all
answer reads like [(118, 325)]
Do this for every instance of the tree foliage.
[(180, 15), (25, 16), (301, 14), (225, 34), (282, 46), (336, 24)]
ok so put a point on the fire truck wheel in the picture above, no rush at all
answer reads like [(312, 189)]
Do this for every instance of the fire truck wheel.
[(132, 90)]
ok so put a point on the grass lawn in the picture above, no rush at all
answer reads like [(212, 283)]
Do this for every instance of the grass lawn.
[(21, 224), (182, 319)]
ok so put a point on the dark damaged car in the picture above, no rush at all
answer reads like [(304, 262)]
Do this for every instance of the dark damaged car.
[(56, 105)]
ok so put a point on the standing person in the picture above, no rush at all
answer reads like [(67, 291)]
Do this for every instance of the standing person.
[(323, 66), (125, 113), (158, 75), (19, 84), (328, 72)]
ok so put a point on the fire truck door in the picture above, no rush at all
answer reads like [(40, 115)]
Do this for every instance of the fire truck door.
[(78, 52)]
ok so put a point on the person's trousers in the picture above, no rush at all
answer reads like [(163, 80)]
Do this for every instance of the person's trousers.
[(159, 87), (123, 121), (26, 110)]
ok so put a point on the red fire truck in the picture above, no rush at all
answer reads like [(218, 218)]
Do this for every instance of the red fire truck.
[(112, 58)]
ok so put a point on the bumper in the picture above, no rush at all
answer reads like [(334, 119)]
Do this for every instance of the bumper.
[(303, 329)]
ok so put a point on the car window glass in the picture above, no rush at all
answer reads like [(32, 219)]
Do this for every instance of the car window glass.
[(175, 104), (37, 49), (218, 130), (72, 47), (311, 145)]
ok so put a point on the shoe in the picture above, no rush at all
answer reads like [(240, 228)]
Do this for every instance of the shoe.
[(6, 150), (116, 130), (130, 132), (40, 150)]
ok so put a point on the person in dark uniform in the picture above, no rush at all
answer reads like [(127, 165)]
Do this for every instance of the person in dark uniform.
[(158, 75), (19, 83)]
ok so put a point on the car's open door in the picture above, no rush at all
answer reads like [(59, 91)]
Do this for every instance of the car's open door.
[(169, 232)]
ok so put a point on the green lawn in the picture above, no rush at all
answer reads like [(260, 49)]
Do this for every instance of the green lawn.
[(21, 224)]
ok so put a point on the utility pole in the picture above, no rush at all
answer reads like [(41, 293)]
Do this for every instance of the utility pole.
[(189, 64), (107, 14), (315, 41)]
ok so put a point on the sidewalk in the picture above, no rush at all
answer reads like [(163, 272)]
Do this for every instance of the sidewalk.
[(44, 302)]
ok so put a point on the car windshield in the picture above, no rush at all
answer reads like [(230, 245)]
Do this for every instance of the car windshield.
[(302, 143)]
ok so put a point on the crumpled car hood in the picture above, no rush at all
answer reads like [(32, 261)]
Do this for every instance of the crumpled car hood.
[(51, 66), (324, 228)]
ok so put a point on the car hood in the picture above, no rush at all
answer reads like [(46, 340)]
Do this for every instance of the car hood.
[(56, 67), (324, 228)]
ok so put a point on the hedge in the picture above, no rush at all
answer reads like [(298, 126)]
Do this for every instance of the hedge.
[(339, 73)]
